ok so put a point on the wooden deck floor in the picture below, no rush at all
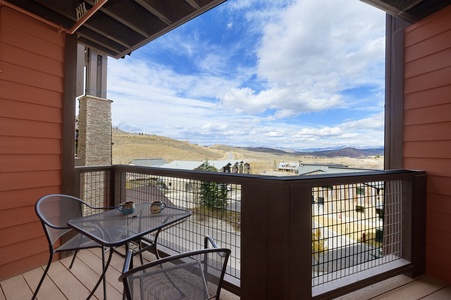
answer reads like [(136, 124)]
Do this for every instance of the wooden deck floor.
[(72, 284), (75, 283)]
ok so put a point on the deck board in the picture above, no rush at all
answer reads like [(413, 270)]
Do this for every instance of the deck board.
[(13, 288), (88, 277), (417, 289), (48, 288), (443, 294), (69, 285), (75, 283), (377, 289)]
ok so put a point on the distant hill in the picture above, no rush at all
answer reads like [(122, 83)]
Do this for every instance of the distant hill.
[(267, 150), (344, 152), (129, 146)]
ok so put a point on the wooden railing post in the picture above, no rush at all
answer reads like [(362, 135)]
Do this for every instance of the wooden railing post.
[(254, 241), (300, 234), (120, 181), (418, 241), (111, 195), (76, 183)]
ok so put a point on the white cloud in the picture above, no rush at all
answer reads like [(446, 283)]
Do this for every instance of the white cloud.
[(311, 52), (307, 54), (373, 122)]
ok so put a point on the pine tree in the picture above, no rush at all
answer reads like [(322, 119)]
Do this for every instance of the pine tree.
[(213, 195)]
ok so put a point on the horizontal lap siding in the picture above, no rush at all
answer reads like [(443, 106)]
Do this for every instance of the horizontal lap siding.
[(31, 101), (427, 129)]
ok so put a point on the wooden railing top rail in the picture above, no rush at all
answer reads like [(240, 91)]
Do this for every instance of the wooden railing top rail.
[(338, 178)]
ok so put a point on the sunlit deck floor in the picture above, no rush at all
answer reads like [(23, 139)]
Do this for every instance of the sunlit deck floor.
[(75, 283), (64, 283)]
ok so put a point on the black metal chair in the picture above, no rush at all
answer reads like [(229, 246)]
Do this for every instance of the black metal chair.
[(191, 275), (54, 211), (145, 243)]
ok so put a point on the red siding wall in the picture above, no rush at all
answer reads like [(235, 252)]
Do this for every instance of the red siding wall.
[(31, 97), (427, 129)]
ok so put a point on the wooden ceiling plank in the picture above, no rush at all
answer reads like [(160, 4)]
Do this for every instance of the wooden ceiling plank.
[(193, 3), (108, 48), (154, 11), (125, 22)]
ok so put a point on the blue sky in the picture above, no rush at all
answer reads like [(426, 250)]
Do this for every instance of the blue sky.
[(295, 74)]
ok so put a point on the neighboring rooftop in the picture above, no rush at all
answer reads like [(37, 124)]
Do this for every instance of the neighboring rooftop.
[(148, 162), (316, 169), (230, 166)]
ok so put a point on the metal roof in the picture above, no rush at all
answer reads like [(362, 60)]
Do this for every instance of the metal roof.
[(193, 165), (409, 10), (148, 162), (315, 169), (116, 27)]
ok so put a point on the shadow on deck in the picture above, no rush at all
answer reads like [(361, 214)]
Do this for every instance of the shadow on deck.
[(64, 283)]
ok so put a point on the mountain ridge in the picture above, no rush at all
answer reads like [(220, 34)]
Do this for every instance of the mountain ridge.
[(339, 152), (141, 140), (130, 146)]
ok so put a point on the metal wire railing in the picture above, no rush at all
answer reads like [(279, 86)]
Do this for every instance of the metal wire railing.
[(215, 211), (95, 187), (357, 225)]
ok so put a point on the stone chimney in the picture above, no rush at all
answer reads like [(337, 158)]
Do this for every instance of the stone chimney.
[(94, 131)]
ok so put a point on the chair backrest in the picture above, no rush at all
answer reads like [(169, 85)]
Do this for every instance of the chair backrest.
[(54, 211), (192, 275)]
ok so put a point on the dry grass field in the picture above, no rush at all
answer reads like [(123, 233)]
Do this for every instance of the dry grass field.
[(129, 146)]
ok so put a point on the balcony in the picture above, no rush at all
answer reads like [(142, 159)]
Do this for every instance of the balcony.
[(363, 224), (64, 283), (74, 283), (317, 237)]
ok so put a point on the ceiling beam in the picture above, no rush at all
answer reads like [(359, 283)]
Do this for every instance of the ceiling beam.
[(154, 11), (125, 22), (414, 3), (193, 3)]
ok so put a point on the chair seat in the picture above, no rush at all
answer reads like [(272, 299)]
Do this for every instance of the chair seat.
[(175, 281), (194, 275), (78, 242)]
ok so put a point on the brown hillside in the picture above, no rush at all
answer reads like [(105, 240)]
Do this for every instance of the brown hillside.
[(129, 146)]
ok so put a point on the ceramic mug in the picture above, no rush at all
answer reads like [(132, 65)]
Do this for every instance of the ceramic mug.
[(127, 207), (157, 207)]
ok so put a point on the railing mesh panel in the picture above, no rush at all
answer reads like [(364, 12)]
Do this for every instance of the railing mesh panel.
[(358, 228), (95, 188), (355, 227), (215, 211)]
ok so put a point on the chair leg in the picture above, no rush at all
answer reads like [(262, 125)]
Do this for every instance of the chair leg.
[(143, 247), (73, 259), (43, 276), (104, 271), (141, 258), (126, 295), (155, 245), (102, 276), (156, 252)]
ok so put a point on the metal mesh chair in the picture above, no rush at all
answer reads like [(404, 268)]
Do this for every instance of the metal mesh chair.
[(192, 275), (145, 243), (54, 211)]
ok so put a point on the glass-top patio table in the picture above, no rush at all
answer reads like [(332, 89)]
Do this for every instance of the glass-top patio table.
[(112, 228)]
